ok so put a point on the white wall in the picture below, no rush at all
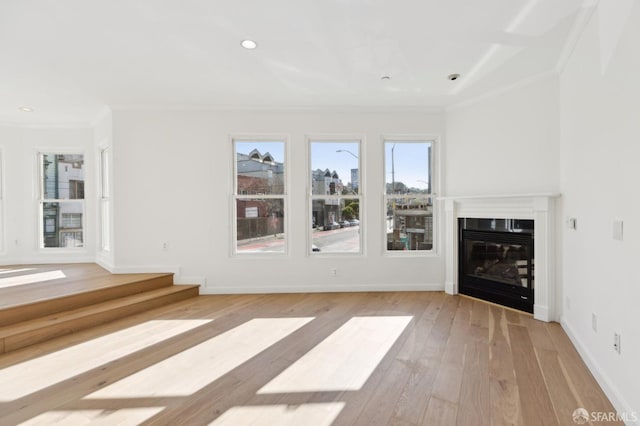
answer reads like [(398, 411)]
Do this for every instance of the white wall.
[(505, 143), (600, 127), (173, 172), (20, 146)]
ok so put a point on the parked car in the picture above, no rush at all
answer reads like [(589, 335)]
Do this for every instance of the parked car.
[(354, 222), (331, 225), (345, 224), (315, 248)]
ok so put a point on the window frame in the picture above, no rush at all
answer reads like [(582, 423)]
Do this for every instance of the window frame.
[(434, 186), (235, 195), (336, 138), (41, 200), (104, 199)]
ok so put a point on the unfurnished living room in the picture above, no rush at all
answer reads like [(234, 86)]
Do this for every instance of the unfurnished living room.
[(315, 212)]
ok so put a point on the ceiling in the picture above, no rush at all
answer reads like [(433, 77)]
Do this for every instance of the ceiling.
[(68, 59)]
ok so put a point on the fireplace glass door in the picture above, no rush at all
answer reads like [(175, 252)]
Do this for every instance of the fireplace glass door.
[(496, 264)]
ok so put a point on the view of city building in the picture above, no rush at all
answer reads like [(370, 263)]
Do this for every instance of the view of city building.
[(62, 211)]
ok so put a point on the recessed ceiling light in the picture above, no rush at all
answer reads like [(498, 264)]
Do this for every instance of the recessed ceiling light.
[(385, 77), (249, 44), (453, 77), (25, 109)]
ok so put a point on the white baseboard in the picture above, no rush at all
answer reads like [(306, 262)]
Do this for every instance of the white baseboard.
[(607, 385), (201, 281), (320, 288), (146, 269), (541, 313), (105, 264), (46, 260), (449, 288)]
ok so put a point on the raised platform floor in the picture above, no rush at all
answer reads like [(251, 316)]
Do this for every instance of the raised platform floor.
[(41, 302)]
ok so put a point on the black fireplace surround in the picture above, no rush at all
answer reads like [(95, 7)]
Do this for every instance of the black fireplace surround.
[(496, 261)]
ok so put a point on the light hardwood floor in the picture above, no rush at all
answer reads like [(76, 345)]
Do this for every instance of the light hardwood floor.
[(303, 359)]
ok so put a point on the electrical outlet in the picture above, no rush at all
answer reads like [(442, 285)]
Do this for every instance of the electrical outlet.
[(334, 271), (594, 322), (165, 246), (616, 342)]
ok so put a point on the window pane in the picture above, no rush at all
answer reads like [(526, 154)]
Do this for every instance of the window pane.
[(259, 168), (407, 167), (260, 225), (63, 176), (62, 224), (409, 223), (335, 168), (335, 225)]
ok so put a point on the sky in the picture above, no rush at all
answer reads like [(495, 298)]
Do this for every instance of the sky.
[(410, 158), (410, 163)]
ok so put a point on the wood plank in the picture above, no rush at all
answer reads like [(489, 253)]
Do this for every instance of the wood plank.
[(440, 413), (504, 395), (535, 401), (561, 393), (474, 406)]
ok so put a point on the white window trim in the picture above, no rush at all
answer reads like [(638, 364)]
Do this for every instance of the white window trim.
[(435, 189), (40, 200), (104, 198), (233, 245), (360, 139)]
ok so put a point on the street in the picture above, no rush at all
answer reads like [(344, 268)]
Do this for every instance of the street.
[(343, 240)]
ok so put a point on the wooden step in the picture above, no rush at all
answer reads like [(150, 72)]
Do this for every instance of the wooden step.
[(52, 298), (20, 335)]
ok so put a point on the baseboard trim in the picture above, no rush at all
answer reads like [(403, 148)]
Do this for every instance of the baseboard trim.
[(320, 288), (47, 260), (450, 288), (612, 392), (105, 265), (541, 313), (172, 269)]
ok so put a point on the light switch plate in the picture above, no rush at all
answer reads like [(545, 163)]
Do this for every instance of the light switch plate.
[(617, 230)]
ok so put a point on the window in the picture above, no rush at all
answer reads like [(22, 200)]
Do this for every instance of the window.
[(336, 196), (62, 179), (105, 240), (259, 196), (408, 195)]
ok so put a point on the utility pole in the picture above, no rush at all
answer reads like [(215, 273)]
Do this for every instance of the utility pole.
[(393, 171)]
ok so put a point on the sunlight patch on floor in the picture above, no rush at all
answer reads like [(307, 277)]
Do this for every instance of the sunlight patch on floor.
[(13, 271), (31, 278), (189, 371), (122, 417), (30, 376), (313, 414), (344, 360)]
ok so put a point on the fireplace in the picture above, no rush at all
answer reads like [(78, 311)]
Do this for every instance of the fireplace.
[(496, 261), (539, 209)]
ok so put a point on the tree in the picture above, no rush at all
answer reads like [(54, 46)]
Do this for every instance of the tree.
[(348, 213), (355, 208)]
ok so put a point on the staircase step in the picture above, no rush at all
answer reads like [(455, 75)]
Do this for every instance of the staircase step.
[(89, 291), (46, 327)]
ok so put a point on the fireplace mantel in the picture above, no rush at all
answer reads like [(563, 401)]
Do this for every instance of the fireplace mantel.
[(538, 207)]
